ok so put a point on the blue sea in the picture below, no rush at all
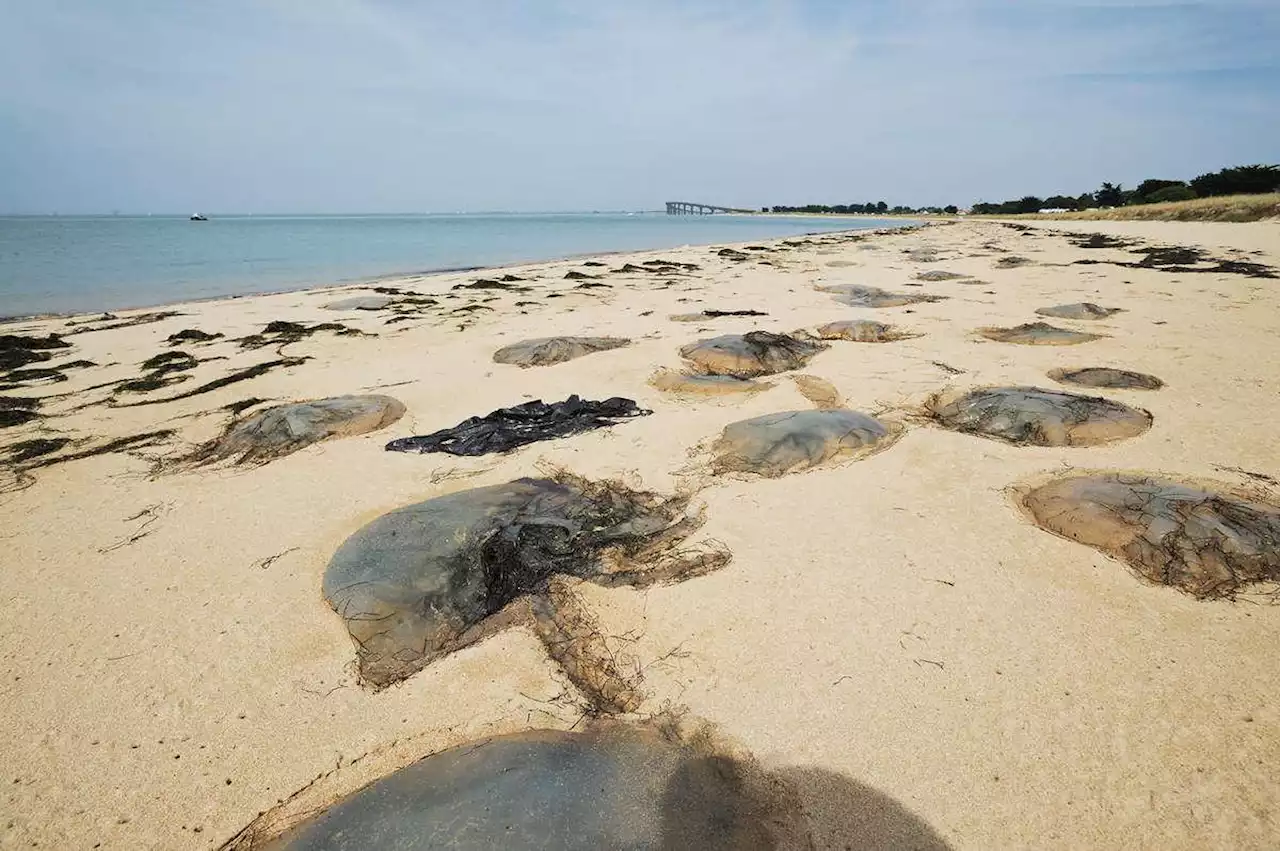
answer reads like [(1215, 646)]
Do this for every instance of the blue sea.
[(64, 264)]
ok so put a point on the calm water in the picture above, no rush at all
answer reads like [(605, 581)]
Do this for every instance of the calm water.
[(74, 264)]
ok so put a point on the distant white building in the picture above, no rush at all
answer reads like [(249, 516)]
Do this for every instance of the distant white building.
[(1052, 210)]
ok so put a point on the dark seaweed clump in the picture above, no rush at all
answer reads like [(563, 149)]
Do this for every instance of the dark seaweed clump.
[(17, 410), (191, 335), (41, 451), (163, 370), (35, 375), (1175, 259), (28, 450), (17, 350), (140, 319), (1098, 240), (490, 284), (281, 332), (235, 377)]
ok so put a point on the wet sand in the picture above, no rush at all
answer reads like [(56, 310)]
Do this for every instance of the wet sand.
[(171, 670)]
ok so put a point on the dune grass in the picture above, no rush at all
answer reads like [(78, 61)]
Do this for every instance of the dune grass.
[(1227, 208)]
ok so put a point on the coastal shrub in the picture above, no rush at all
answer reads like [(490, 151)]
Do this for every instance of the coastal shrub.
[(1179, 192), (1240, 180)]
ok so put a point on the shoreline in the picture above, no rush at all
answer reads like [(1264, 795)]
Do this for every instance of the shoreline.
[(172, 677), (388, 277)]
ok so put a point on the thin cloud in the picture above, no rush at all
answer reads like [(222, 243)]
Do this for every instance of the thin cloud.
[(371, 105)]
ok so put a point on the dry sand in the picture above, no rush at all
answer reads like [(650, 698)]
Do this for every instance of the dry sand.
[(891, 629)]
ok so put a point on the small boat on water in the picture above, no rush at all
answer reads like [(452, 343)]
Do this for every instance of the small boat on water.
[(196, 217)]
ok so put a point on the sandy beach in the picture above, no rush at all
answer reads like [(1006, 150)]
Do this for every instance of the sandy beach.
[(894, 637)]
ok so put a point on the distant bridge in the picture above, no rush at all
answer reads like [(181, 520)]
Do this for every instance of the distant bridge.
[(692, 208)]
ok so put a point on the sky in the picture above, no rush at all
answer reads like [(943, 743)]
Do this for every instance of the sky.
[(474, 105)]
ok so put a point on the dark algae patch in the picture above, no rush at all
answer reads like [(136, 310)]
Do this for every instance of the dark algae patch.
[(430, 578), (1177, 259), (140, 319), (714, 314), (1098, 240), (281, 332), (240, 375), (169, 362), (17, 350), (163, 370), (1030, 416), (510, 428), (119, 444), (1106, 377), (34, 375), (18, 410), (29, 450), (1208, 543), (191, 335)]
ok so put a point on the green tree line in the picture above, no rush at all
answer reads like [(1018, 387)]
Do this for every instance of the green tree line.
[(1238, 180)]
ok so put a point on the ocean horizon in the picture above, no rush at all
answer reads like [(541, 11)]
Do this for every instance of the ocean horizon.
[(64, 264)]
